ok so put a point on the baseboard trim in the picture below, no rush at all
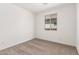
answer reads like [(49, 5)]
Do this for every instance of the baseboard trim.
[(17, 43), (56, 42)]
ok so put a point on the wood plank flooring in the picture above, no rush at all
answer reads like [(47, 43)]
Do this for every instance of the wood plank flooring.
[(39, 47)]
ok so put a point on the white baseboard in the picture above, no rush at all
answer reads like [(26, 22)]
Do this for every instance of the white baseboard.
[(58, 42), (6, 45)]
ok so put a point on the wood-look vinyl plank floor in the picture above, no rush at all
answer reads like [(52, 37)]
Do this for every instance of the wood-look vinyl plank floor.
[(39, 47)]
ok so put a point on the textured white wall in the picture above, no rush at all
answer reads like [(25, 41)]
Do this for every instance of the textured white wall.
[(66, 19), (16, 25)]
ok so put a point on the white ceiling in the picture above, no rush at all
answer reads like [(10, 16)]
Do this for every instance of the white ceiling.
[(37, 7)]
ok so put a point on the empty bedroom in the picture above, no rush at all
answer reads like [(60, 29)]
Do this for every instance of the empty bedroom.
[(39, 29)]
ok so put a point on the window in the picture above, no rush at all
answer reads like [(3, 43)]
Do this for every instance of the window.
[(51, 22)]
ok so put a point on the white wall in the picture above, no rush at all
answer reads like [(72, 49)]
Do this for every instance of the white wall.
[(16, 25), (66, 19), (78, 27)]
